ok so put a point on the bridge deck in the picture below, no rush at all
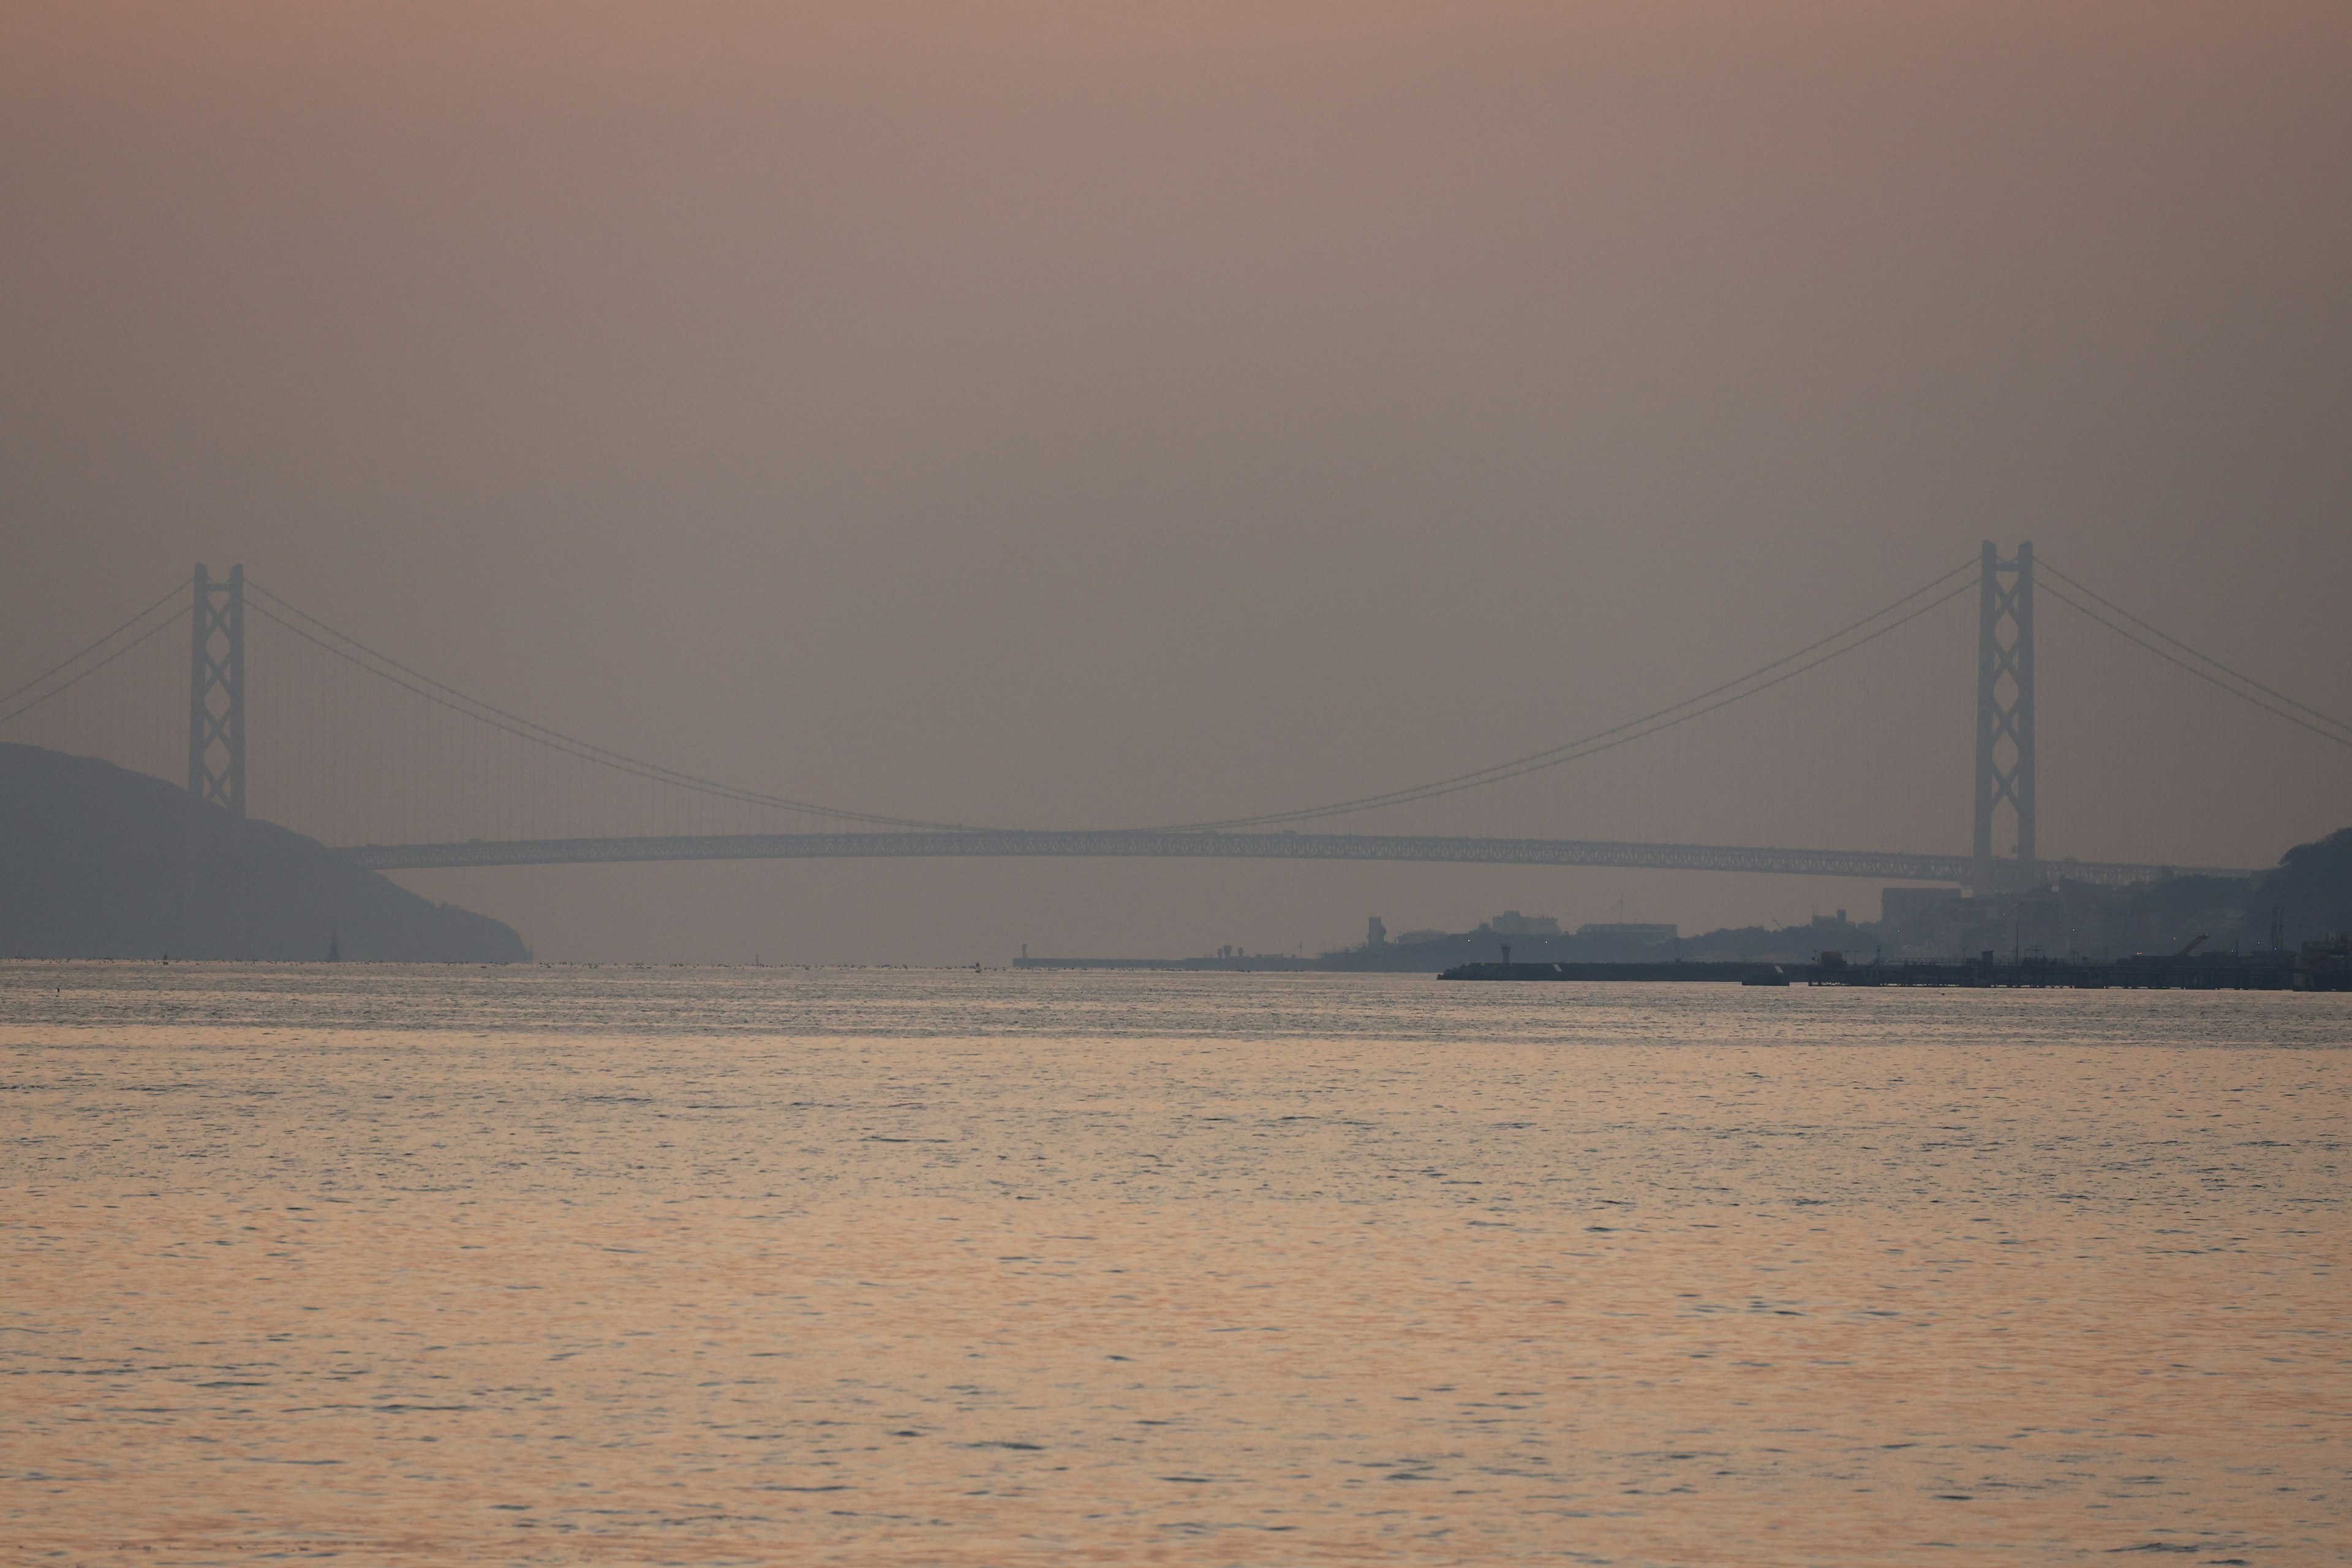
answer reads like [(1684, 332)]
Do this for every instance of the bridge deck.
[(1891, 866)]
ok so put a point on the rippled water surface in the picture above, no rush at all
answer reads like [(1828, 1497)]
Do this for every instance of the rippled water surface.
[(735, 1266)]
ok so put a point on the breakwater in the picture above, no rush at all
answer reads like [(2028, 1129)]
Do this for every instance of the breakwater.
[(2320, 966)]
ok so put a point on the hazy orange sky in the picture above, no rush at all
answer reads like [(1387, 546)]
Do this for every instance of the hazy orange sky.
[(1072, 414)]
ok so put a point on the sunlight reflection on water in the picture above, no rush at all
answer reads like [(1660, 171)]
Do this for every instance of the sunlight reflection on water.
[(935, 1267)]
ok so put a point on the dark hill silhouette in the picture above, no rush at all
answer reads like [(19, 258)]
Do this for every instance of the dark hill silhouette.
[(2312, 889), (96, 862)]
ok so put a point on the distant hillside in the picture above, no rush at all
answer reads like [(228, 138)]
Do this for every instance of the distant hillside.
[(96, 861), (2311, 890)]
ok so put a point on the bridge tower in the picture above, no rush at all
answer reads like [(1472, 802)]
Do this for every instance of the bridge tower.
[(2005, 708), (217, 692)]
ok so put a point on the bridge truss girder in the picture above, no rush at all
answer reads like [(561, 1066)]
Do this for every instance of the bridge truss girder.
[(1891, 866)]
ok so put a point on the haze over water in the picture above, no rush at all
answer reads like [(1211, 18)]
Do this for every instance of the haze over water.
[(713, 1266)]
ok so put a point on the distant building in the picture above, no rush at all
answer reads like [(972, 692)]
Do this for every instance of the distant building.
[(1905, 907), (1510, 923), (1629, 931), (1375, 934)]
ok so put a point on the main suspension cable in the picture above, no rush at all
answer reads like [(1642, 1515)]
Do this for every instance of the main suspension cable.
[(44, 675), (1632, 729), (170, 620), (2205, 675), (539, 734), (2158, 632)]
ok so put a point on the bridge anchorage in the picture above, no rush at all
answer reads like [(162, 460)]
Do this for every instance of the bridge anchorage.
[(2003, 794)]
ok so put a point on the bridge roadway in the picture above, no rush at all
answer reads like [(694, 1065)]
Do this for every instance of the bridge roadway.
[(1891, 866)]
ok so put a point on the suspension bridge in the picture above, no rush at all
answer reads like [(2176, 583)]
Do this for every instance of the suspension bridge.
[(2005, 846)]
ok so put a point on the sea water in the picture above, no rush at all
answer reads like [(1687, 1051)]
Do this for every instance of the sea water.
[(556, 1264)]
